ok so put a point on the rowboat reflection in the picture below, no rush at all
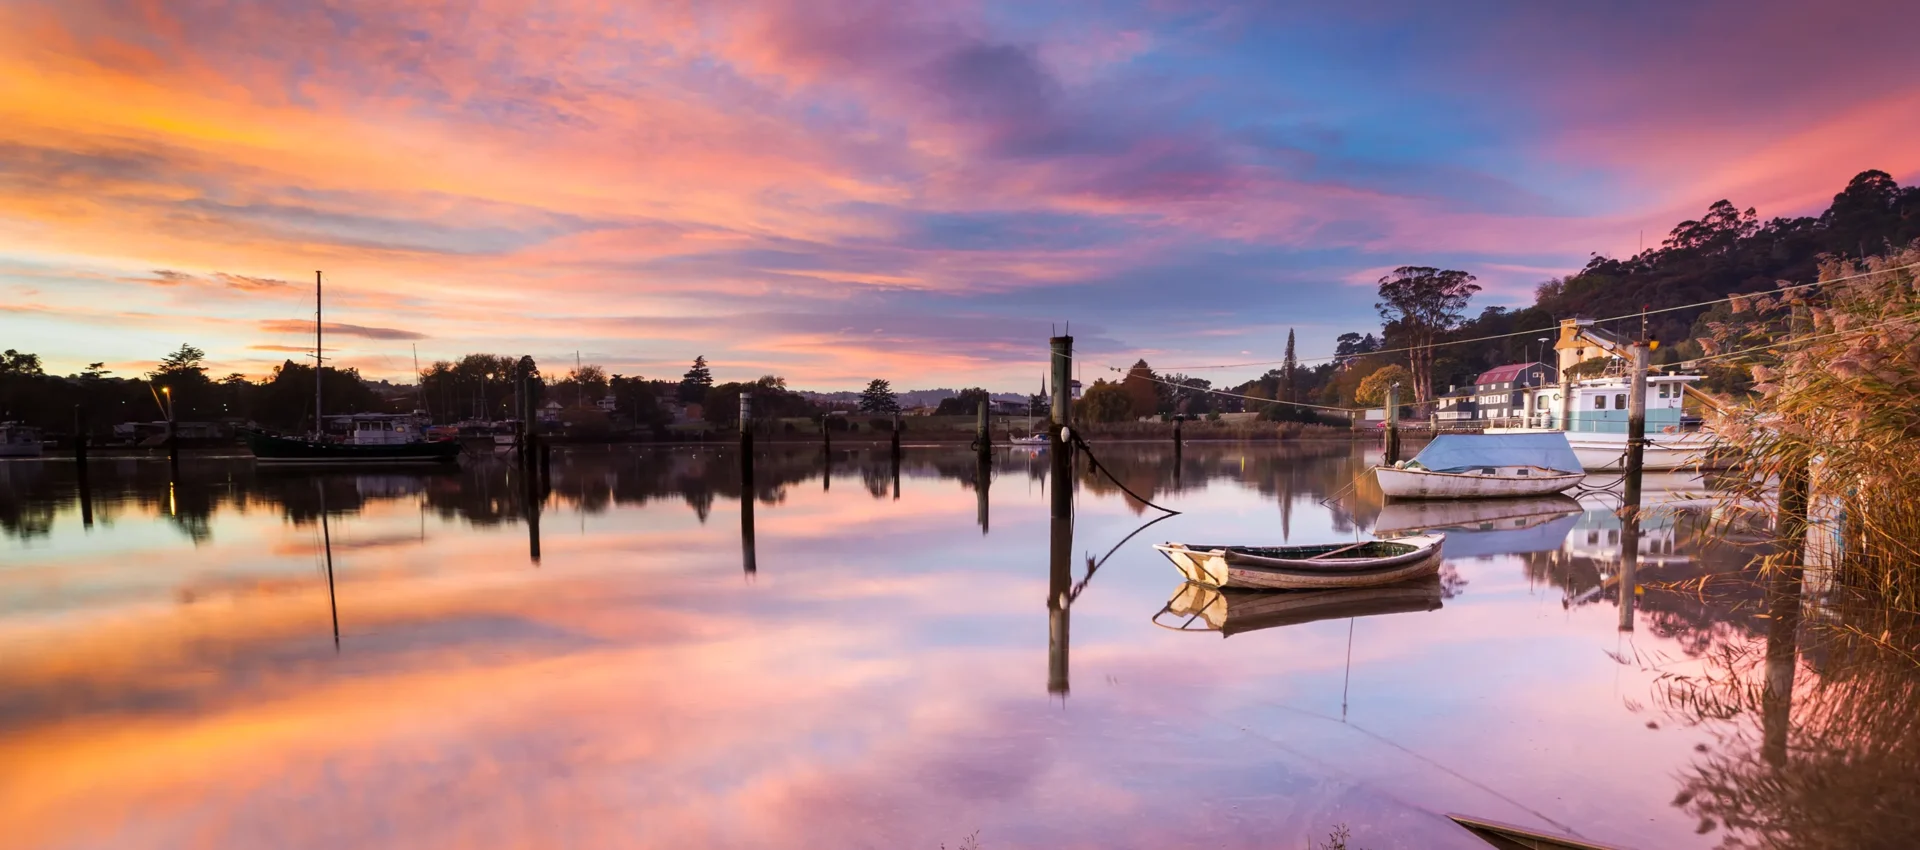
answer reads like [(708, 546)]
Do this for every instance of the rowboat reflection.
[(1230, 612)]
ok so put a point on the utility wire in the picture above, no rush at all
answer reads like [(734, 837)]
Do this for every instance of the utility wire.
[(1634, 315)]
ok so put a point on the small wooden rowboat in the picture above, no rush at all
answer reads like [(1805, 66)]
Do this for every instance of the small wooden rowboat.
[(1474, 483), (1366, 564)]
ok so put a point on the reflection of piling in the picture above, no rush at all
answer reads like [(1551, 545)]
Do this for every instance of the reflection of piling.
[(1783, 632), (535, 501), (81, 480), (326, 542), (748, 561), (826, 471), (896, 476), (1629, 562), (982, 479), (1636, 424), (1059, 448), (1393, 423), (747, 554), (1059, 588)]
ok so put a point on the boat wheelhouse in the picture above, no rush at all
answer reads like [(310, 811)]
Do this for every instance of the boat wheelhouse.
[(18, 440)]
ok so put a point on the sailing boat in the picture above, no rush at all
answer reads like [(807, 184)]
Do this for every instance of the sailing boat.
[(376, 438)]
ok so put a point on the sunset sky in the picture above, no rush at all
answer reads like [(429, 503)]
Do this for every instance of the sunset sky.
[(837, 190)]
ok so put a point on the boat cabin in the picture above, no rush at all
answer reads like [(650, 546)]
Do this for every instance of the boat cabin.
[(377, 429), (19, 440), (1599, 406)]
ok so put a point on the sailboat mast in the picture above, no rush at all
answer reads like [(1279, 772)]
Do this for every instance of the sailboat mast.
[(319, 425)]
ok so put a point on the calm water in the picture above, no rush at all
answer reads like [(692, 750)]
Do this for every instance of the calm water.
[(888, 661)]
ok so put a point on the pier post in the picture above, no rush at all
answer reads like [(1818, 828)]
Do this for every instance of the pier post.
[(982, 431), (80, 434), (1636, 424), (1177, 419), (1059, 448), (826, 433), (1393, 423), (1565, 414), (898, 426)]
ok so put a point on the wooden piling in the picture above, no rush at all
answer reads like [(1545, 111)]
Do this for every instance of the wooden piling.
[(1059, 447), (746, 440), (982, 430), (1393, 424), (898, 426), (80, 434), (1636, 425)]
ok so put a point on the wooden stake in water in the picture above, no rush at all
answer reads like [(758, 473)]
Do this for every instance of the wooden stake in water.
[(1393, 423), (80, 465), (1059, 447), (1636, 424), (746, 439)]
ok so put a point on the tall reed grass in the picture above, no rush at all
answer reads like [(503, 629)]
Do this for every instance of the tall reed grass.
[(1836, 398)]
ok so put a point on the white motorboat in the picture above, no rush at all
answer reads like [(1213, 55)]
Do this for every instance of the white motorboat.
[(1479, 466)]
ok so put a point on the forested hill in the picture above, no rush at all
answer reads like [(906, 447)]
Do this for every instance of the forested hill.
[(1725, 251)]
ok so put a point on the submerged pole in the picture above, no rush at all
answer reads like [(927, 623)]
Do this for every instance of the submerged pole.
[(1393, 423), (1636, 424), (81, 480), (1059, 448)]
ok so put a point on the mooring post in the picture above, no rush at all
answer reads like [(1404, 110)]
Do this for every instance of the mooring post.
[(1061, 419), (982, 430), (80, 434), (1177, 419), (898, 426), (826, 434), (1393, 423), (746, 441), (1566, 402), (1636, 424), (546, 469)]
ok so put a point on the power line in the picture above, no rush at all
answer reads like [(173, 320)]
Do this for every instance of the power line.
[(1546, 329)]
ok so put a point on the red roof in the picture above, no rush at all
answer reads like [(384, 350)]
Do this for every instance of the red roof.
[(1502, 374)]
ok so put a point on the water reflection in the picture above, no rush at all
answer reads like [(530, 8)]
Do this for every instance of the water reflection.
[(878, 684)]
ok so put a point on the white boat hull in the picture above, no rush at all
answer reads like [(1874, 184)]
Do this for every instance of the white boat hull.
[(1608, 455), (1664, 452), (1504, 483)]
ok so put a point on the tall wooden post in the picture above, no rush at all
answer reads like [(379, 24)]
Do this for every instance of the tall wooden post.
[(1636, 424), (826, 433), (80, 434), (898, 426), (1566, 402), (983, 431), (746, 440), (1060, 448), (1393, 423)]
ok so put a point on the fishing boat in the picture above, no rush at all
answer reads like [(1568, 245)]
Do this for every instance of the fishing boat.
[(1368, 563), (1480, 466), (375, 438), (1506, 836), (18, 440), (1593, 414), (1231, 612)]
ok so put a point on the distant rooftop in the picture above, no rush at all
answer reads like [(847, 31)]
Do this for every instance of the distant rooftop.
[(1501, 374)]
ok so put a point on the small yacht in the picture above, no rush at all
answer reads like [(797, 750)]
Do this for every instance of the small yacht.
[(18, 440)]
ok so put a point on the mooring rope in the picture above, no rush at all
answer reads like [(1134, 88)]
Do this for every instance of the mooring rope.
[(1075, 439)]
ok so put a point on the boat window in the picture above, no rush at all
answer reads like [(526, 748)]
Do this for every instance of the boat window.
[(1487, 470), (1520, 472), (1620, 401), (1599, 402)]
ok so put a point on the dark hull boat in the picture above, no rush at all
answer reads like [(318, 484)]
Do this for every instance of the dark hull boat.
[(290, 451)]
